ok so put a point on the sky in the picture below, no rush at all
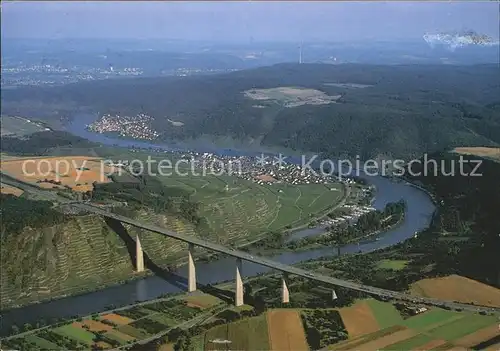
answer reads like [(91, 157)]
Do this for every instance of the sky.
[(245, 20)]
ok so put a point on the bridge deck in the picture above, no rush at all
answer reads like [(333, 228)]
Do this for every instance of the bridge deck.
[(287, 268)]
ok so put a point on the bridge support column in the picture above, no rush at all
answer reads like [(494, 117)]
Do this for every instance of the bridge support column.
[(139, 256), (238, 301), (191, 269), (285, 296), (334, 295)]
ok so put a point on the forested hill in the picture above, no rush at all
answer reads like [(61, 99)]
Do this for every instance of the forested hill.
[(398, 110), (40, 142), (464, 237)]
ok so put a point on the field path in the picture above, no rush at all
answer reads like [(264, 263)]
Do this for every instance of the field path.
[(286, 331), (278, 208), (387, 340), (479, 336), (315, 199), (431, 345), (298, 197)]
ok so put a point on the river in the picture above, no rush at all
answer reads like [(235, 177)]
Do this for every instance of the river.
[(418, 216)]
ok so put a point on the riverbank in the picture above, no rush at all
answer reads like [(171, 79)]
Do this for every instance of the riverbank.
[(411, 183)]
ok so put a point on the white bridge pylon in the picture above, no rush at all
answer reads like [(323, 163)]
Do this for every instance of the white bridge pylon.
[(238, 301), (139, 256), (285, 295), (191, 269)]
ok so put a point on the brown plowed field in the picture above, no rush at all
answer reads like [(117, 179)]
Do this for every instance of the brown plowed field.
[(286, 331), (359, 319), (386, 340), (117, 319), (458, 288), (103, 345), (478, 336), (492, 152), (70, 171), (7, 189)]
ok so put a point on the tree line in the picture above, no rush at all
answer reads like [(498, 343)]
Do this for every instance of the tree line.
[(18, 213)]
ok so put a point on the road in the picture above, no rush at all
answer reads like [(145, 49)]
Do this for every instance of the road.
[(47, 194), (331, 281)]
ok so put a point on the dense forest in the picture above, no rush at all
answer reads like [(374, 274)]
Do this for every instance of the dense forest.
[(464, 237), (39, 143), (404, 110), (148, 192), (18, 212)]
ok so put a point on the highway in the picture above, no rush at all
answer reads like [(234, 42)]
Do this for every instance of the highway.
[(326, 280)]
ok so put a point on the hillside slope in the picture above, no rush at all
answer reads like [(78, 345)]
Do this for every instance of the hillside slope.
[(464, 235), (82, 253)]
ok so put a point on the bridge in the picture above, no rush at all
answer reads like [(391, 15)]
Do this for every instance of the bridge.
[(285, 269)]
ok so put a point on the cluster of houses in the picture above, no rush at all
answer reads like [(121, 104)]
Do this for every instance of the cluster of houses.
[(246, 167), (411, 310), (289, 174), (137, 127), (263, 174)]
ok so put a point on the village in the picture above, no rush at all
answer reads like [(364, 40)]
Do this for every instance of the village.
[(262, 170), (137, 127), (252, 168)]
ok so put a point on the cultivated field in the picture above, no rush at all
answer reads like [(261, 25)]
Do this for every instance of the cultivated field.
[(117, 319), (74, 172), (393, 265), (91, 325), (435, 329), (18, 126), (285, 330), (110, 330), (386, 340), (478, 337), (487, 152), (245, 209), (458, 288), (359, 319), (246, 334), (8, 189), (292, 96), (385, 313), (201, 300)]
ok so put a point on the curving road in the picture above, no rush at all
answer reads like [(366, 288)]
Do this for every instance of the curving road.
[(290, 269)]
